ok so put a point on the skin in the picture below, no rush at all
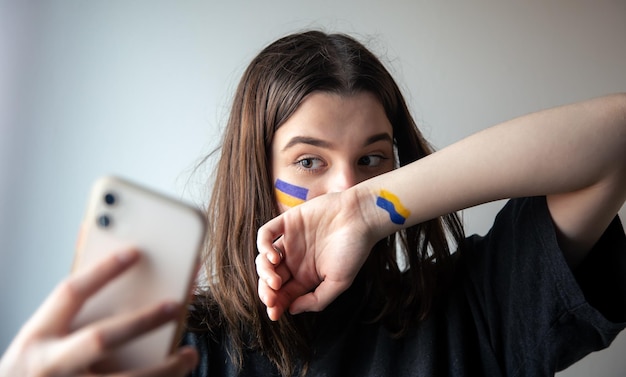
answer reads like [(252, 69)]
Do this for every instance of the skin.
[(575, 155), (333, 142), (314, 149), (330, 144)]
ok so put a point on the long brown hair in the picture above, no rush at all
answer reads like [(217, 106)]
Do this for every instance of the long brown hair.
[(272, 87)]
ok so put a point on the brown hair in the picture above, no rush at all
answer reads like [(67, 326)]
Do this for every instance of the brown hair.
[(272, 87)]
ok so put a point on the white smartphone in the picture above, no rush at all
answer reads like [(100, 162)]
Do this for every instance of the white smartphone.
[(168, 232)]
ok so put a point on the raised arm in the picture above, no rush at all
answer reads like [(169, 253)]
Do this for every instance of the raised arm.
[(574, 154)]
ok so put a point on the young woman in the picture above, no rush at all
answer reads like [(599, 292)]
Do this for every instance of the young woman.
[(317, 114), (271, 156), (364, 249)]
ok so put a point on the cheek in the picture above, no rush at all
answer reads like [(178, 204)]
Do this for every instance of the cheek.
[(289, 195)]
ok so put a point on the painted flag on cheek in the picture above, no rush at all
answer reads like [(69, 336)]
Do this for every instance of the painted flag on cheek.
[(391, 203), (288, 194)]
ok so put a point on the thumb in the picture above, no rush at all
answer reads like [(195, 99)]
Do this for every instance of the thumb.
[(319, 299)]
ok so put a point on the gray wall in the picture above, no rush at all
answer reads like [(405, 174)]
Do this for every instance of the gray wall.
[(141, 88)]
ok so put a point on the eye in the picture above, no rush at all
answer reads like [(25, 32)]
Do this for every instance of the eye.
[(310, 163), (371, 160)]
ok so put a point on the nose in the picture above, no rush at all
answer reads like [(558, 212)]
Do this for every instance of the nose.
[(342, 178)]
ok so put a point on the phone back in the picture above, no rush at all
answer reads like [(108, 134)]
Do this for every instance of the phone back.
[(169, 234)]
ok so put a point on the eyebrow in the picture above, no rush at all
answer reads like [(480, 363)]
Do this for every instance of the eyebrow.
[(383, 136), (306, 140)]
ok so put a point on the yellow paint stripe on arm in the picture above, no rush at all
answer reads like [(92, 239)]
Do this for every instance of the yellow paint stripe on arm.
[(396, 203)]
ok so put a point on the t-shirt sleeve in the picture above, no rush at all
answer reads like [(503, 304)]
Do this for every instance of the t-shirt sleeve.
[(536, 315)]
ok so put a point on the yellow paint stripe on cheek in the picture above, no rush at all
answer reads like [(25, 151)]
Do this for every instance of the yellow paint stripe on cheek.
[(287, 200)]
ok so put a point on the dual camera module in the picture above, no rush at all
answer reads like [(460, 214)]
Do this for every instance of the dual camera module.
[(105, 220)]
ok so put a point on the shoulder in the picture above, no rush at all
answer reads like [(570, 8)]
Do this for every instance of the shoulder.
[(518, 279)]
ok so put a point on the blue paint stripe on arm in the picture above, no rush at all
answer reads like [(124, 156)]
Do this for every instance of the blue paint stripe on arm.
[(388, 206)]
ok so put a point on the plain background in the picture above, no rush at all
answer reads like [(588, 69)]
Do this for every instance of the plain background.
[(142, 89)]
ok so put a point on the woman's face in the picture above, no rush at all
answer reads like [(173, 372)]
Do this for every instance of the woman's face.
[(329, 144)]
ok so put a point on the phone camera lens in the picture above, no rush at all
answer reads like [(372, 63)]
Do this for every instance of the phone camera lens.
[(109, 199), (104, 221)]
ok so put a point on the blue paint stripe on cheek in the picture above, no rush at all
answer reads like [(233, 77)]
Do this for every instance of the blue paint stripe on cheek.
[(292, 190)]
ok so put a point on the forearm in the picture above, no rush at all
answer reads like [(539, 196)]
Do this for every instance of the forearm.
[(575, 155), (562, 150)]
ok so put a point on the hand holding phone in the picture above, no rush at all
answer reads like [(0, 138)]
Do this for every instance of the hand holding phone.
[(117, 295), (168, 233), (45, 337)]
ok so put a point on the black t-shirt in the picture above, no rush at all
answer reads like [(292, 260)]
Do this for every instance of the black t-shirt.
[(514, 308)]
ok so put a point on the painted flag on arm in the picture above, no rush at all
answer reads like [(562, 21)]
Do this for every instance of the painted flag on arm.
[(391, 203)]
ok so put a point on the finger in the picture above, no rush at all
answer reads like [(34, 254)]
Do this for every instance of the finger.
[(97, 339), (268, 272), (283, 273), (283, 298), (278, 255), (267, 289), (267, 295), (57, 312), (318, 300), (268, 234), (176, 365), (274, 313)]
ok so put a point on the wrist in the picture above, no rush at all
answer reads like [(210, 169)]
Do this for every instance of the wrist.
[(377, 220)]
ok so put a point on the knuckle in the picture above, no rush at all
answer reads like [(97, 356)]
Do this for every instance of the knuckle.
[(69, 291), (96, 340), (39, 370)]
